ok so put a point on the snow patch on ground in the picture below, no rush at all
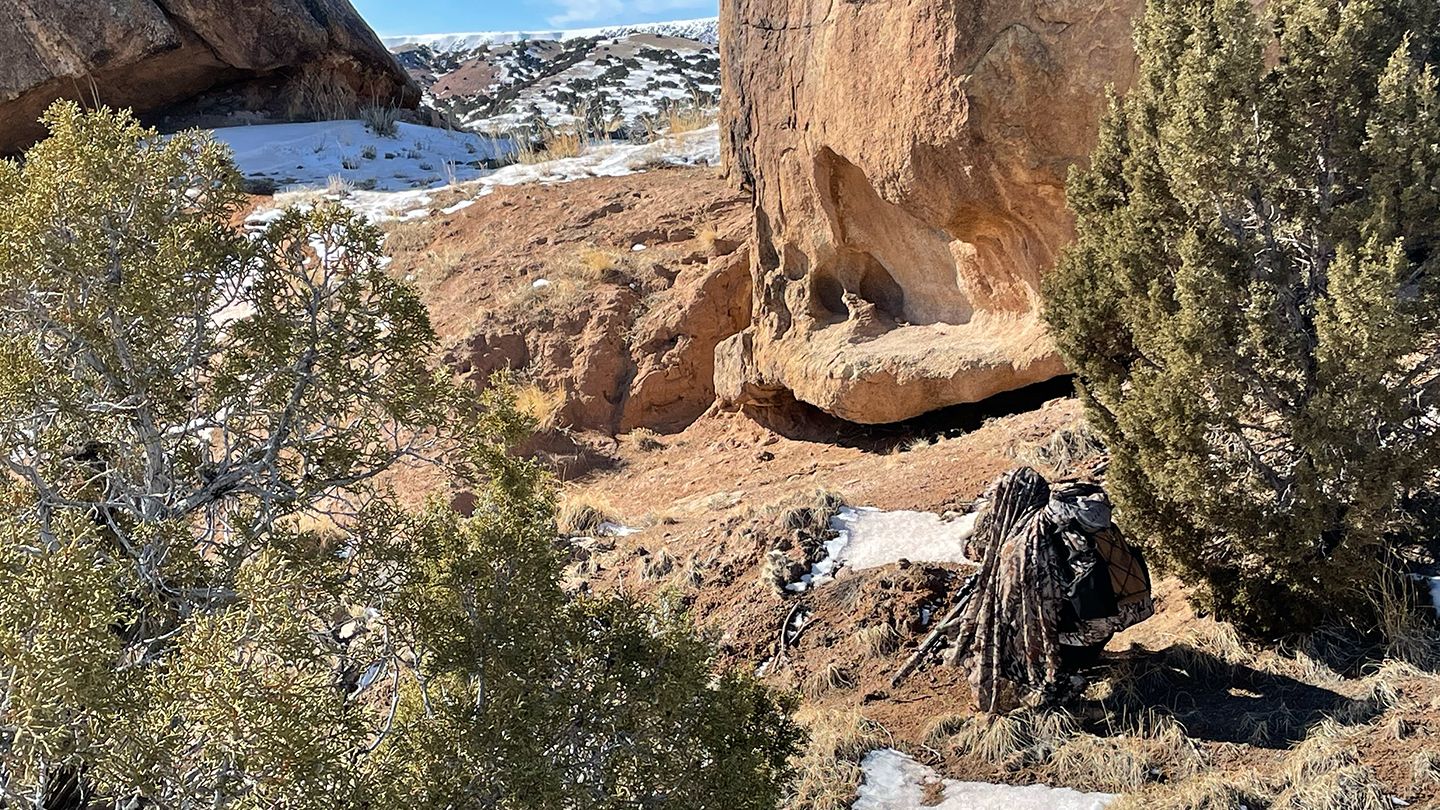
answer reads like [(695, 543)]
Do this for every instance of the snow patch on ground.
[(866, 537), (699, 148), (879, 538), (823, 571), (310, 154), (894, 781)]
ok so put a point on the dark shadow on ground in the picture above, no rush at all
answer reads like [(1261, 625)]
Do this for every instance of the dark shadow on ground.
[(1216, 700), (800, 421)]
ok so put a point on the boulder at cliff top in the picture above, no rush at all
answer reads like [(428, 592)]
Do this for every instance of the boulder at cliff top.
[(284, 58), (908, 161)]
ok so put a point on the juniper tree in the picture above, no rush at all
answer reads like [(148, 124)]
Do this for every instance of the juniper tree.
[(208, 594), (1251, 303)]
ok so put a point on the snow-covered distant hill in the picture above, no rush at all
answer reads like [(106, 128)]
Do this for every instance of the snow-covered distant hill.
[(621, 80), (706, 30)]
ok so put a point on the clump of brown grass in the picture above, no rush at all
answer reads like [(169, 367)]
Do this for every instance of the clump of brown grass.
[(692, 575), (1000, 738), (806, 518), (581, 514), (876, 641), (646, 440), (381, 119), (779, 570), (1208, 792), (319, 94), (1112, 764), (1409, 634), (543, 405), (552, 143), (598, 262), (1154, 747), (567, 284), (1325, 773), (1061, 452), (682, 118), (944, 726), (1425, 771), (827, 774), (828, 679), (679, 117), (657, 566), (708, 238)]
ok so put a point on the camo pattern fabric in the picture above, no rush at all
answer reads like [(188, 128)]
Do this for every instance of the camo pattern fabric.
[(1007, 634)]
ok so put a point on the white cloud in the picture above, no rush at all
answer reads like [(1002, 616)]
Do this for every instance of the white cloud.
[(574, 12)]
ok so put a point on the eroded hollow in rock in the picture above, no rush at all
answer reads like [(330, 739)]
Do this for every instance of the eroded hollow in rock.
[(887, 256), (860, 274)]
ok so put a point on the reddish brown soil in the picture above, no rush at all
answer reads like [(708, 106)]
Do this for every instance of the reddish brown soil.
[(474, 260)]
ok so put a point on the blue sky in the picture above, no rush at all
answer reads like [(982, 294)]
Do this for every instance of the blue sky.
[(395, 17)]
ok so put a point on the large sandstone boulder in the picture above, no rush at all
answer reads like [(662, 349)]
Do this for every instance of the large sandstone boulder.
[(291, 58), (908, 160)]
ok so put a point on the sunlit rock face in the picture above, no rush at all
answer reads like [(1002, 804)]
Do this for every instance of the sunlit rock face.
[(287, 58), (908, 161)]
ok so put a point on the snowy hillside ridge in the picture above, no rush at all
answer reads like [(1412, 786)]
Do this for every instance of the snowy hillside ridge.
[(618, 86), (311, 154), (706, 29)]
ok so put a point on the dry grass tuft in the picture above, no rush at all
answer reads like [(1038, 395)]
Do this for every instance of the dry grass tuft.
[(828, 773), (876, 641), (1111, 764), (942, 727), (646, 440), (598, 264), (682, 118), (1154, 747), (806, 519), (566, 286), (1409, 633), (1063, 451), (779, 570), (382, 120), (542, 405), (1001, 739), (657, 566), (553, 143), (581, 515), (1425, 772), (708, 238), (318, 94), (1208, 792), (1325, 773), (337, 186), (829, 679)]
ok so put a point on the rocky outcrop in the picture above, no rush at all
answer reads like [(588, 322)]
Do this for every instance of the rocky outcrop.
[(908, 162), (618, 372), (289, 58), (673, 351)]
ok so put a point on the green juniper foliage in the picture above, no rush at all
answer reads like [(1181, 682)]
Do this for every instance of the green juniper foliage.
[(207, 597), (1251, 304)]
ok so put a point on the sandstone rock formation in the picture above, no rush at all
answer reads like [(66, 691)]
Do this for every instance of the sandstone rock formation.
[(297, 58), (908, 162), (619, 372)]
